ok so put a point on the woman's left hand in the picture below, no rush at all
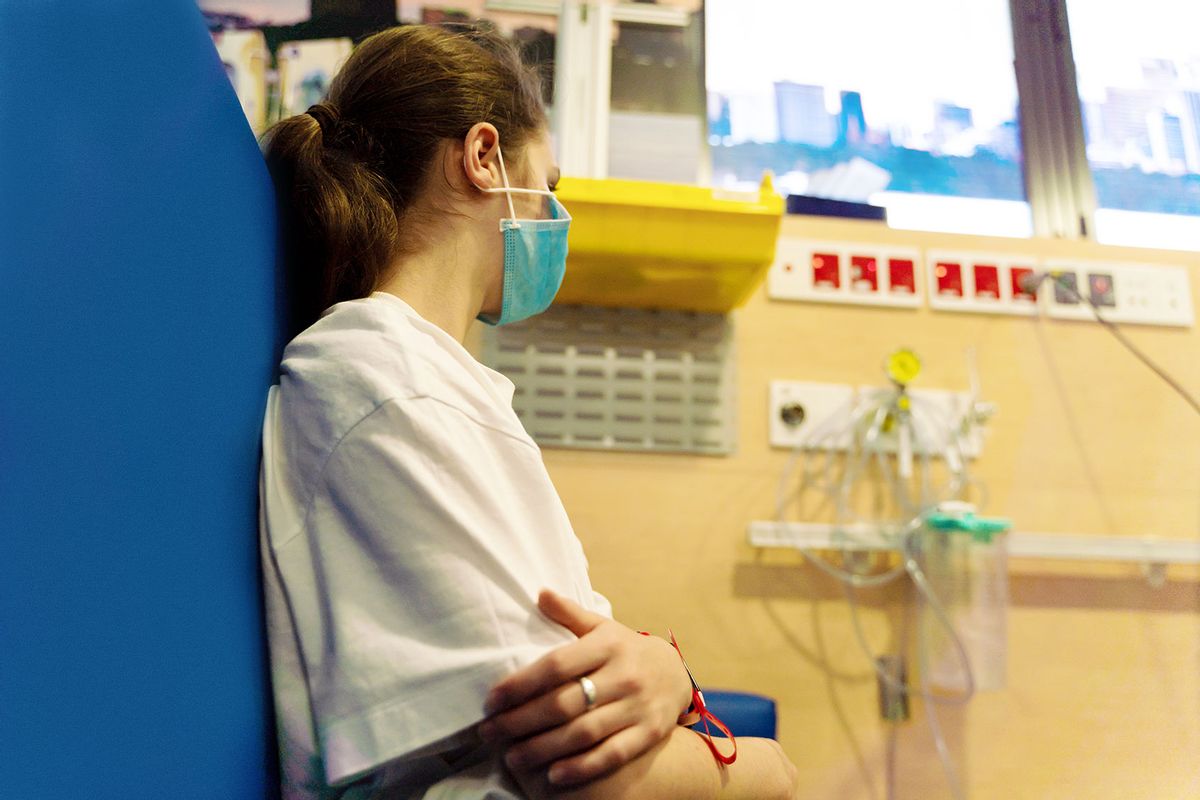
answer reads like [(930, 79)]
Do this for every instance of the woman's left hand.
[(641, 689)]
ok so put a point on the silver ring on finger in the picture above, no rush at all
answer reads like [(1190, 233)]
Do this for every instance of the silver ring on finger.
[(589, 693)]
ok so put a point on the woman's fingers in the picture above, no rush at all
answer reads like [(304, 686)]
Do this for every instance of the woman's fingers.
[(546, 674), (583, 732), (615, 751), (567, 663), (566, 612), (552, 709)]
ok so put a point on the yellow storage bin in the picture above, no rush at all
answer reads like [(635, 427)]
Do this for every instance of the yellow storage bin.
[(639, 244)]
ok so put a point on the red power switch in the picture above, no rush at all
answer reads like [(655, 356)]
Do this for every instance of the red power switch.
[(949, 279), (1101, 288), (1019, 292), (987, 282), (826, 271), (902, 276), (864, 274)]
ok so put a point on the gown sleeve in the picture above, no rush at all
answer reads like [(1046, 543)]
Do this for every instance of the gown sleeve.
[(413, 579)]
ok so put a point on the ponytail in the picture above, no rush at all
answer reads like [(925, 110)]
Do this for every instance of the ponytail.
[(337, 224)]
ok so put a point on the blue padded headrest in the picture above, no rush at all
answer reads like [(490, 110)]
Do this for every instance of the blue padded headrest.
[(140, 325), (744, 713)]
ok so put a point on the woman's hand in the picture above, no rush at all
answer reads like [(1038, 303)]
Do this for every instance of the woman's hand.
[(641, 689)]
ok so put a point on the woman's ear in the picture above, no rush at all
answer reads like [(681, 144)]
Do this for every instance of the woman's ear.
[(481, 147)]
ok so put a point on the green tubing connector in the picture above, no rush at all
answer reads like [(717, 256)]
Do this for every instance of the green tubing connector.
[(982, 529)]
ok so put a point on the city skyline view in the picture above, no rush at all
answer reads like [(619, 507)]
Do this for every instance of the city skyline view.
[(837, 108), (1139, 83), (908, 54), (924, 99)]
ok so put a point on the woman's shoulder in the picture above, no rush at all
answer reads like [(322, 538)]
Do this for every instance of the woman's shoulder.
[(364, 353), (360, 350), (334, 375)]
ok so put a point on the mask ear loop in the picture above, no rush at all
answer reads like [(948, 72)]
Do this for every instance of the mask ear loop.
[(509, 191), (512, 211)]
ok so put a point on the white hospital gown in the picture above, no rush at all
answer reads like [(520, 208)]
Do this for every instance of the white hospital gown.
[(407, 524)]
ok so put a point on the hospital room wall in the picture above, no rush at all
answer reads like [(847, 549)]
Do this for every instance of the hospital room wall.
[(1103, 699)]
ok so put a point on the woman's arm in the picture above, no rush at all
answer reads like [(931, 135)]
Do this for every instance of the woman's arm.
[(641, 689), (590, 755), (681, 767)]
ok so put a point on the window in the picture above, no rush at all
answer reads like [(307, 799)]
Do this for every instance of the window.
[(910, 105), (1138, 74), (656, 118)]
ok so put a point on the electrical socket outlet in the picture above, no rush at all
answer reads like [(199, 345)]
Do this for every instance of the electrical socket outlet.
[(809, 407), (1141, 294), (979, 283), (846, 273)]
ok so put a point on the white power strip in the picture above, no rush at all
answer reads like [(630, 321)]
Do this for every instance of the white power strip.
[(874, 274), (1126, 293)]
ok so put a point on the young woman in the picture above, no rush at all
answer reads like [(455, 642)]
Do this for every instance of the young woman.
[(422, 577)]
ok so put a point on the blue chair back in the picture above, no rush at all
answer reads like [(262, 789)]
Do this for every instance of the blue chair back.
[(140, 326), (745, 714)]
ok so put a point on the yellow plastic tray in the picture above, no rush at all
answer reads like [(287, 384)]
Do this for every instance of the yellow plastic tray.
[(640, 244)]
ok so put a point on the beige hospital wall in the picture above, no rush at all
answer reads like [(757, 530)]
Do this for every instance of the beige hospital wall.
[(1104, 671)]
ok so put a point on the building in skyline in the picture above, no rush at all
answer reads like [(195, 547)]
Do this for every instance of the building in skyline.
[(752, 117), (1165, 134), (802, 118), (852, 122), (1173, 141), (1125, 113), (1190, 121), (950, 123), (955, 116), (719, 122), (1154, 126)]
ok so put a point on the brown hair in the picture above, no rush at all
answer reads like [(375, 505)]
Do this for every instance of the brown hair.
[(347, 171)]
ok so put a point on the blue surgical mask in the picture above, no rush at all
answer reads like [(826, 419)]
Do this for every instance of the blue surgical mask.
[(535, 256)]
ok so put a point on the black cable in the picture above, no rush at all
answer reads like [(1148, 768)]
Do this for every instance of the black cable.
[(1115, 331)]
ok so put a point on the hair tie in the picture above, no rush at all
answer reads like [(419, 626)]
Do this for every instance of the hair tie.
[(326, 118), (338, 132)]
